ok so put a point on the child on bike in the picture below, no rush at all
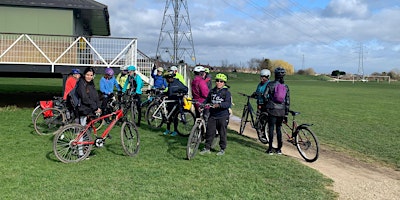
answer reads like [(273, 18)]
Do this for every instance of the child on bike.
[(107, 84), (259, 95), (176, 90), (276, 109), (220, 98), (135, 84)]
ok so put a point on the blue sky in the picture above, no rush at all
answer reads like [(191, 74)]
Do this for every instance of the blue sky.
[(321, 34)]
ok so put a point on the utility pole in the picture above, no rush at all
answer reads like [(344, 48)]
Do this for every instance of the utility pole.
[(175, 39), (361, 62)]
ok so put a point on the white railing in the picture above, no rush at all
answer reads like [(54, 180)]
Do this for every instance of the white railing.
[(60, 50)]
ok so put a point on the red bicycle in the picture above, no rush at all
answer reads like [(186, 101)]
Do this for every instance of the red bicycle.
[(73, 142)]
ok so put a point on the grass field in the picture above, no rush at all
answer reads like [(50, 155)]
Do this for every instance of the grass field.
[(358, 119)]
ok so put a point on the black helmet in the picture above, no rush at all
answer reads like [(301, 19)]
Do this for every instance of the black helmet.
[(280, 72)]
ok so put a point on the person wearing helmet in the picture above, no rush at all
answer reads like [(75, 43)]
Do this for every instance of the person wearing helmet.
[(107, 84), (135, 83), (220, 98), (121, 79), (277, 109), (208, 78), (159, 81), (71, 81), (174, 87), (199, 87), (259, 95), (178, 75)]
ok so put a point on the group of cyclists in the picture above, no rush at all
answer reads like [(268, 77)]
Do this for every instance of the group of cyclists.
[(217, 99)]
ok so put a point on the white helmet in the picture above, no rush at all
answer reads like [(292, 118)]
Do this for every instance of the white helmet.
[(199, 69), (265, 72), (174, 68), (123, 68)]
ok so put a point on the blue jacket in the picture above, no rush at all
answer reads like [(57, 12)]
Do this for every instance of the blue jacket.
[(159, 81), (261, 87), (134, 82), (107, 85)]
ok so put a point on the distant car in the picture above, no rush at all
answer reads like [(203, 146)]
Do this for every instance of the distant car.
[(364, 80)]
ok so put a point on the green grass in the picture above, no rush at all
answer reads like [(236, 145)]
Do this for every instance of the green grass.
[(29, 169)]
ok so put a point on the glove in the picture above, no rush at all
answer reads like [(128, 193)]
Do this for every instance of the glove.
[(285, 119), (253, 95)]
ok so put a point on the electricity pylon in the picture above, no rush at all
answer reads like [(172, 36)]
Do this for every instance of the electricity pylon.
[(175, 43)]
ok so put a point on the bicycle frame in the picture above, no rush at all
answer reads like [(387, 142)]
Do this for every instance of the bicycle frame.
[(163, 106), (118, 115)]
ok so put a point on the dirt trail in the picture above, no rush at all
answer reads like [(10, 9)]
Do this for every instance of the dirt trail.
[(353, 179)]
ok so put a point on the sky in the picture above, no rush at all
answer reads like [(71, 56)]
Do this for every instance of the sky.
[(354, 36)]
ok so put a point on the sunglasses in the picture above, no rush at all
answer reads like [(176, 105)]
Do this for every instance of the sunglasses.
[(219, 81)]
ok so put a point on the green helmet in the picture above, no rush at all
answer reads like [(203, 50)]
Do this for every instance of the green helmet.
[(169, 74), (221, 76)]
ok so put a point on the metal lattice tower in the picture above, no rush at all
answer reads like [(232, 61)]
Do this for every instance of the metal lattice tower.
[(361, 62), (175, 43)]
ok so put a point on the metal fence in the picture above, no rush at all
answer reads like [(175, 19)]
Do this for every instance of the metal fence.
[(61, 50)]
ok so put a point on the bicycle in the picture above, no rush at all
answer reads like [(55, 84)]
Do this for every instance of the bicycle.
[(257, 124), (50, 120), (198, 134), (300, 136), (157, 114), (152, 95), (73, 143)]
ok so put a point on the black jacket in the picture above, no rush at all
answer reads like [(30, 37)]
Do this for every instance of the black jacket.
[(88, 96), (273, 108), (222, 97)]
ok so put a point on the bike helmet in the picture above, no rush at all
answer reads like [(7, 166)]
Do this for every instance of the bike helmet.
[(160, 69), (265, 72), (75, 71), (199, 69), (109, 72), (123, 68), (174, 68), (169, 74), (280, 72), (221, 77), (131, 68), (207, 70)]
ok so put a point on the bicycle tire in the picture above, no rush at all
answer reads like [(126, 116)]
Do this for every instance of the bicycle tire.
[(134, 112), (157, 121), (63, 146), (243, 120), (46, 125), (35, 113), (307, 144), (194, 140), (130, 139), (262, 130), (185, 126)]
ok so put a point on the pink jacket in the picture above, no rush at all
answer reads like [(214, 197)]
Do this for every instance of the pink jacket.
[(199, 89)]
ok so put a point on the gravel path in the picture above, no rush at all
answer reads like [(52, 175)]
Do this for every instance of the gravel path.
[(353, 179)]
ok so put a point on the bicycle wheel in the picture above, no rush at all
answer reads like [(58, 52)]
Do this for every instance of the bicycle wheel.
[(243, 121), (49, 121), (154, 120), (130, 138), (262, 128), (185, 125), (65, 148), (195, 138), (134, 112), (35, 113), (307, 144)]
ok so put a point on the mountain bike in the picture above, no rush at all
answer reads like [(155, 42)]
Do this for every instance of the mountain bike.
[(258, 124), (300, 136), (157, 114), (73, 143), (152, 95), (198, 134)]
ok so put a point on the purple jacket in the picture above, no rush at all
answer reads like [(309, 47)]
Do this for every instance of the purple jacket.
[(199, 89)]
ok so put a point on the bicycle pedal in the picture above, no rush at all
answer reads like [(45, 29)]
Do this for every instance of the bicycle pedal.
[(109, 136)]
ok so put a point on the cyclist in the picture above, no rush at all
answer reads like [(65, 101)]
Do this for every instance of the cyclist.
[(175, 87), (220, 98), (259, 95), (276, 110), (178, 75), (199, 87), (159, 81), (70, 83), (134, 82), (121, 79), (107, 83)]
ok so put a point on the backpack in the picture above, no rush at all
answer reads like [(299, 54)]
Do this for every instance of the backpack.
[(280, 93), (73, 98)]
